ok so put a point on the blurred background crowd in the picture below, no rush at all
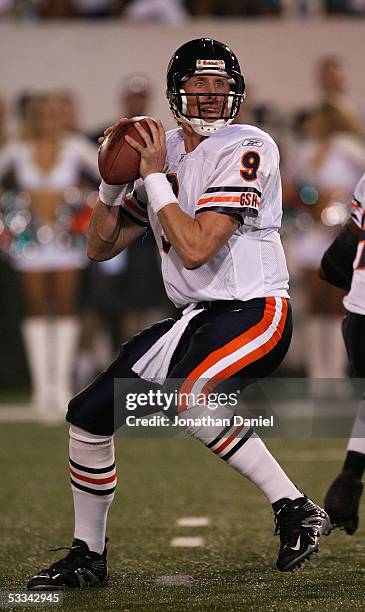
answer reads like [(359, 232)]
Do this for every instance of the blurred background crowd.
[(62, 317), (49, 179), (173, 11)]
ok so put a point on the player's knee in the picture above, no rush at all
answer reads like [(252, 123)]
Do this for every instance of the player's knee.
[(90, 415), (75, 410)]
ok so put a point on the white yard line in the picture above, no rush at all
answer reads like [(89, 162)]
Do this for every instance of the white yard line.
[(187, 542), (193, 521), (177, 580)]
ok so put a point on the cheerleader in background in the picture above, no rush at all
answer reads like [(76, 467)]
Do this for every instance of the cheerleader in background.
[(46, 218), (323, 170)]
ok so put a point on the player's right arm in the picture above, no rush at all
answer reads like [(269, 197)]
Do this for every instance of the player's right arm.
[(110, 232), (119, 217)]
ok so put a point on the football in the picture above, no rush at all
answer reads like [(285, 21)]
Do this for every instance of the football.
[(118, 161)]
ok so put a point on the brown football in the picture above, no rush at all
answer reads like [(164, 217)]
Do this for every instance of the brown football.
[(118, 161)]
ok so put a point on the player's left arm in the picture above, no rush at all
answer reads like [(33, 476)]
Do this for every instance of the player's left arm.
[(195, 240), (337, 262)]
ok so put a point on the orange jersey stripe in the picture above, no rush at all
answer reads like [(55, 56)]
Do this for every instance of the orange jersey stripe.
[(235, 344), (219, 199), (251, 357), (93, 480), (231, 346)]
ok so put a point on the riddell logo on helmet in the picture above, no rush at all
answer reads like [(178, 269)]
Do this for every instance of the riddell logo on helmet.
[(203, 64)]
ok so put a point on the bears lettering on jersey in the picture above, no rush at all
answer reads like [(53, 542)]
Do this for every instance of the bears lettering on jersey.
[(250, 200)]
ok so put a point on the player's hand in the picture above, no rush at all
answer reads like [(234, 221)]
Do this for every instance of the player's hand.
[(153, 154), (121, 121)]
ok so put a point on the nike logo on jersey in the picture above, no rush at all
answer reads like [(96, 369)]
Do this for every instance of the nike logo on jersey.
[(252, 142), (297, 546)]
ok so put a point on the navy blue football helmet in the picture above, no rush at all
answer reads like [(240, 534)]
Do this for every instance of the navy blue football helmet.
[(204, 56)]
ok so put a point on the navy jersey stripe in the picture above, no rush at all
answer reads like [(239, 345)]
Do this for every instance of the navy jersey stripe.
[(222, 434), (93, 491), (357, 201), (141, 204), (103, 470), (131, 217), (234, 190), (240, 443), (227, 210)]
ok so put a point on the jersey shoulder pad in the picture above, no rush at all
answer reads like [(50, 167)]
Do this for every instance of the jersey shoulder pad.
[(246, 137), (255, 138)]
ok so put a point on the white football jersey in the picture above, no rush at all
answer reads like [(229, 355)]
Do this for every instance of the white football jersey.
[(354, 301), (236, 170)]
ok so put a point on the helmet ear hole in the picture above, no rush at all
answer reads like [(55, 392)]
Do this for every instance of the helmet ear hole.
[(204, 56)]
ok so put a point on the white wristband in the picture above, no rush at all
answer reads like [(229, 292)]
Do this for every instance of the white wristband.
[(113, 195), (159, 191)]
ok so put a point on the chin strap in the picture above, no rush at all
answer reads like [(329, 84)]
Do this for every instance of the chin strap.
[(204, 128)]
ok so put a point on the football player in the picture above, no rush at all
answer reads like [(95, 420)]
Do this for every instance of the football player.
[(211, 193), (343, 265)]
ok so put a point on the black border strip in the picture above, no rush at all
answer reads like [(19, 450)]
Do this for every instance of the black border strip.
[(222, 434), (357, 201), (92, 470), (234, 190), (92, 491), (139, 202), (133, 218), (240, 443), (228, 210)]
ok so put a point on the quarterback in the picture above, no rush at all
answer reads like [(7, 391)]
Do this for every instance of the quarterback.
[(211, 193)]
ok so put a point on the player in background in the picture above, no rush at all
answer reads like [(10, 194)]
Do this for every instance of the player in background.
[(211, 192), (343, 265)]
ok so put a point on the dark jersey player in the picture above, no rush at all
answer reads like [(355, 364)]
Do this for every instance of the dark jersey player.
[(344, 265), (211, 193)]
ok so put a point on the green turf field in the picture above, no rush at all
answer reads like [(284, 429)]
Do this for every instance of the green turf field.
[(160, 481)]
